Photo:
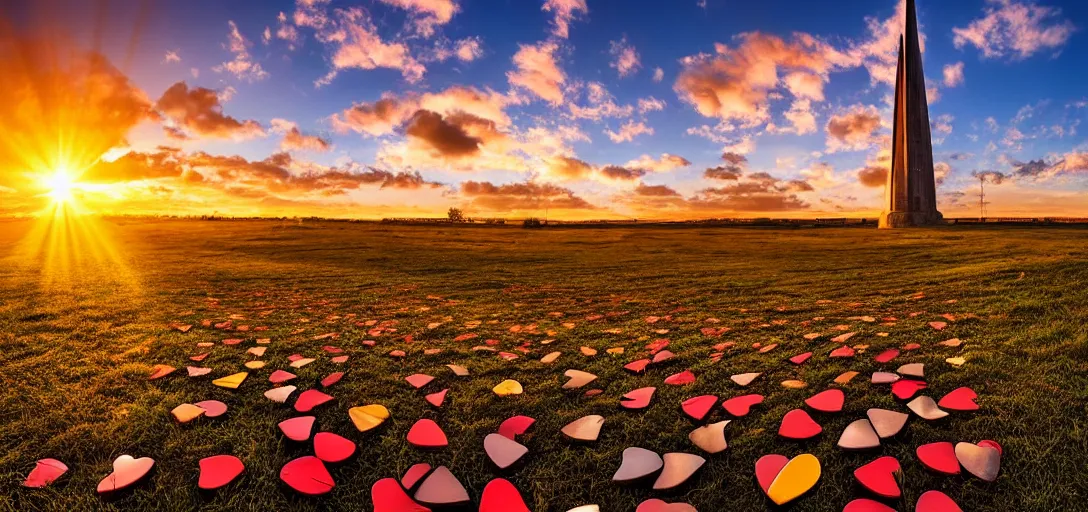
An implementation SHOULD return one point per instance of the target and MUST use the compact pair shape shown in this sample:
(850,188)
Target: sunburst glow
(61,184)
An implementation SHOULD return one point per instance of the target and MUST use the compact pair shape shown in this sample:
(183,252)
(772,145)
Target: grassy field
(81,328)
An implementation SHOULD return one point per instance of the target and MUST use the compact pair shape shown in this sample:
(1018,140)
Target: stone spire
(912,190)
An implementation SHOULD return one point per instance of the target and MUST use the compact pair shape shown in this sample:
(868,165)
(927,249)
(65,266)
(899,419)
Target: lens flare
(61,185)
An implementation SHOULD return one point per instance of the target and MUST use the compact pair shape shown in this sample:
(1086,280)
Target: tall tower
(912,190)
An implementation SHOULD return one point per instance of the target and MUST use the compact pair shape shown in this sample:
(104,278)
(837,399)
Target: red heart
(388,496)
(501,496)
(843,351)
(797,424)
(436,399)
(45,472)
(638,399)
(939,457)
(991,444)
(218,471)
(280,376)
(330,447)
(637,366)
(681,379)
(126,471)
(911,346)
(307,475)
(309,399)
(741,405)
(333,378)
(414,475)
(881,477)
(698,407)
(831,400)
(767,468)
(427,434)
(297,429)
(905,389)
(800,358)
(887,355)
(515,426)
(865,505)
(936,501)
(961,399)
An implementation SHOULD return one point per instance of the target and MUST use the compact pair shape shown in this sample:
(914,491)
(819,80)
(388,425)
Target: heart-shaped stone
(437,399)
(185,413)
(797,424)
(515,426)
(578,379)
(638,463)
(501,496)
(915,370)
(45,472)
(298,429)
(881,477)
(960,399)
(508,387)
(419,380)
(842,352)
(801,358)
(159,371)
(458,370)
(698,407)
(331,379)
(710,438)
(797,477)
(280,376)
(681,379)
(887,423)
(653,505)
(311,398)
(426,433)
(212,408)
(126,472)
(679,467)
(859,435)
(829,401)
(332,448)
(936,501)
(744,379)
(368,417)
(441,488)
(387,496)
(939,457)
(982,461)
(586,428)
(740,406)
(767,468)
(926,408)
(887,355)
(414,475)
(195,371)
(504,452)
(637,366)
(231,381)
(218,471)
(906,389)
(307,475)
(866,505)
(638,399)
(280,394)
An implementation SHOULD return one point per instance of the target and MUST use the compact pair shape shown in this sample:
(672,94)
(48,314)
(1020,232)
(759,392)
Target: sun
(61,184)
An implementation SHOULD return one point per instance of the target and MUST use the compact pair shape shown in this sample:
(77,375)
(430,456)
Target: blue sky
(714,80)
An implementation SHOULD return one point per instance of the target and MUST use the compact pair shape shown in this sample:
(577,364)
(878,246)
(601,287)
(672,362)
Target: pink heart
(831,400)
(638,399)
(881,477)
(427,434)
(936,501)
(681,379)
(212,408)
(437,399)
(297,429)
(280,376)
(126,471)
(333,378)
(740,406)
(801,358)
(501,496)
(309,399)
(698,407)
(218,471)
(332,448)
(515,426)
(656,505)
(307,475)
(797,424)
(388,496)
(961,399)
(414,475)
(45,472)
(939,457)
(767,468)
(419,380)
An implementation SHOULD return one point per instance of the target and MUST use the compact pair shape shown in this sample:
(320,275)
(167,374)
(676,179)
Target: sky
(570,109)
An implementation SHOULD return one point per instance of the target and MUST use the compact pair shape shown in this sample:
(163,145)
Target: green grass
(78,336)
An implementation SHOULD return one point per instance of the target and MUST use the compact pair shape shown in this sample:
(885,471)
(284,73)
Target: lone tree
(456,215)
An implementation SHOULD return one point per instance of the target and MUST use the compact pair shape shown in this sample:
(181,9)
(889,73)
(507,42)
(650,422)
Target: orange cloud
(522,196)
(537,72)
(198,111)
(565,11)
(855,129)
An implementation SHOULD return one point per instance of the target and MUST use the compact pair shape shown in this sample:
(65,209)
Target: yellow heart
(254,365)
(368,417)
(615,350)
(185,413)
(508,387)
(796,478)
(956,361)
(231,381)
